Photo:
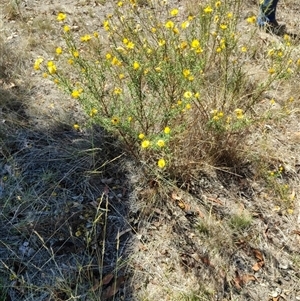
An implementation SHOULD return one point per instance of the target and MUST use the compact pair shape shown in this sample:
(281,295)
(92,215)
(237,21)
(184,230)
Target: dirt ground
(223,235)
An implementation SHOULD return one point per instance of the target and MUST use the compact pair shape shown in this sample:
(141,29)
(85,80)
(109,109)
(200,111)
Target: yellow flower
(58,50)
(161,163)
(169,24)
(93,112)
(208,10)
(141,136)
(160,143)
(174,12)
(229,15)
(96,34)
(76,126)
(117,91)
(85,38)
(186,72)
(251,19)
(218,4)
(161,42)
(45,75)
(176,30)
(136,65)
(115,62)
(75,93)
(223,26)
(120,3)
(145,144)
(75,53)
(188,106)
(115,120)
(121,75)
(185,24)
(187,94)
(153,30)
(37,63)
(167,130)
(66,28)
(272,70)
(130,45)
(239,113)
(244,49)
(195,44)
(184,44)
(106,25)
(108,56)
(70,61)
(51,67)
(61,17)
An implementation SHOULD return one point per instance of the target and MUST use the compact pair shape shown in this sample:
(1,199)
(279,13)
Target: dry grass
(82,220)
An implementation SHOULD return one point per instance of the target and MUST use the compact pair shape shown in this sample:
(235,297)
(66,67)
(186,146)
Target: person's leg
(268,10)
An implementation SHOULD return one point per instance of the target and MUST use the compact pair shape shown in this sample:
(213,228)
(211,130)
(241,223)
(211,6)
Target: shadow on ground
(63,200)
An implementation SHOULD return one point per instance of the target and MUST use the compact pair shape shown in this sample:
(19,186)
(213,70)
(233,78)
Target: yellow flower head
(37,63)
(145,144)
(136,65)
(218,4)
(106,25)
(208,10)
(167,130)
(161,163)
(115,120)
(75,53)
(76,126)
(117,91)
(75,94)
(186,72)
(141,136)
(161,42)
(61,17)
(116,62)
(239,113)
(251,19)
(195,44)
(187,94)
(185,24)
(174,12)
(223,26)
(51,67)
(66,28)
(160,143)
(58,50)
(169,24)
(130,45)
(85,38)
(93,112)
(244,49)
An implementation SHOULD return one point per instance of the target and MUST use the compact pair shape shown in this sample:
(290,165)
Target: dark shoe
(275,28)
